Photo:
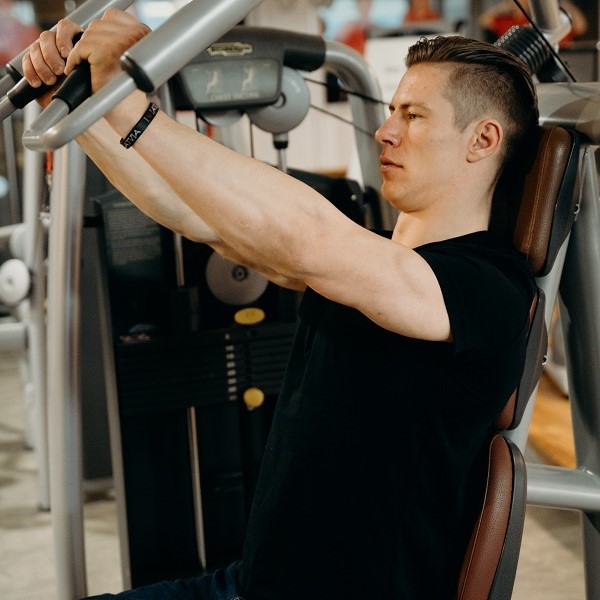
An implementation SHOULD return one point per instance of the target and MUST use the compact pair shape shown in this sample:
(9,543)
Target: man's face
(423,153)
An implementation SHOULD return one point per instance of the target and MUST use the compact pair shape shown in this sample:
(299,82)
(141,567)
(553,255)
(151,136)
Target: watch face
(223,84)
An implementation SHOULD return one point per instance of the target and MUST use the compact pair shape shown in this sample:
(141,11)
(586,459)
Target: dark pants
(220,585)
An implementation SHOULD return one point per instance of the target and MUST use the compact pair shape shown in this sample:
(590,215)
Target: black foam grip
(304,52)
(77,87)
(23,93)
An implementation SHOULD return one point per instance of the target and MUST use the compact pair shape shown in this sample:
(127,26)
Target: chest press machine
(569,270)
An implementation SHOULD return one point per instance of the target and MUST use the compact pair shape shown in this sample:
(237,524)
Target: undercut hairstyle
(484,81)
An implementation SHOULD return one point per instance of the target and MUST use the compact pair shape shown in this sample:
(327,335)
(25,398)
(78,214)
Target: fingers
(115,15)
(103,43)
(29,71)
(45,61)
(65,32)
(38,68)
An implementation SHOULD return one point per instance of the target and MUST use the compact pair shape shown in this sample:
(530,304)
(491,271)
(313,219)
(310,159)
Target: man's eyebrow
(406,105)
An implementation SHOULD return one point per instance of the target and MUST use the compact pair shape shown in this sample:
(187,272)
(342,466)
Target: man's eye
(412,116)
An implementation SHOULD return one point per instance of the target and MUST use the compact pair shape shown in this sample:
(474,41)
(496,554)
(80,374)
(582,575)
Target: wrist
(127,113)
(138,129)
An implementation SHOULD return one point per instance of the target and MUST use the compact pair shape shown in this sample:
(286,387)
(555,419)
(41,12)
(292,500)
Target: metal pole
(367,116)
(34,256)
(580,314)
(168,106)
(11,170)
(64,406)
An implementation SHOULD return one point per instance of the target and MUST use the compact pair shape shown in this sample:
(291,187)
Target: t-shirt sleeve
(487,307)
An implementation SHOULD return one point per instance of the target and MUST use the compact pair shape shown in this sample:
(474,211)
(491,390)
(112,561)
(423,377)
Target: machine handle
(76,88)
(153,60)
(23,93)
(82,15)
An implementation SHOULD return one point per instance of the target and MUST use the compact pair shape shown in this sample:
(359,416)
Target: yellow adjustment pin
(253,398)
(249,316)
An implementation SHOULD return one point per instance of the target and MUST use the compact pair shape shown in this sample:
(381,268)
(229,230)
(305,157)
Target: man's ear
(486,140)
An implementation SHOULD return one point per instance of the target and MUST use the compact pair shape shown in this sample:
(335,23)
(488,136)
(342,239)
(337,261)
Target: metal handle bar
(150,62)
(547,15)
(551,19)
(82,15)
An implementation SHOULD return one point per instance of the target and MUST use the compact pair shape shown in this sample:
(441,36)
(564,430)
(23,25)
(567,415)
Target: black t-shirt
(367,487)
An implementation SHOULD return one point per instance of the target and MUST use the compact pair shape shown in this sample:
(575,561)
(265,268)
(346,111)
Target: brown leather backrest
(490,563)
(547,208)
(487,540)
(544,218)
(535,354)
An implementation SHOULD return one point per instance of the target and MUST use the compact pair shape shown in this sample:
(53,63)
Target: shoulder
(487,287)
(478,252)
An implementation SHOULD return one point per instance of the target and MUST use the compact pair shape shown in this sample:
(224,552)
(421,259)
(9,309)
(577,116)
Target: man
(408,344)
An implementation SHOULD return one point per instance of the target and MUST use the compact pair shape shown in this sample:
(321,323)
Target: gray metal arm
(55,127)
(158,56)
(367,115)
(551,20)
(150,62)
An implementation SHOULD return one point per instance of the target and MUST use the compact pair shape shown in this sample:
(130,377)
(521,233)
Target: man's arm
(280,226)
(138,181)
(141,184)
(127,171)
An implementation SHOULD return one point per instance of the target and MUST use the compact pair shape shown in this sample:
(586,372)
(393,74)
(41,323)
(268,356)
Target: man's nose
(388,133)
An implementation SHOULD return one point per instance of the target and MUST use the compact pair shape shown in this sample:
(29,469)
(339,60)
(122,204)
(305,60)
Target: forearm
(263,214)
(139,182)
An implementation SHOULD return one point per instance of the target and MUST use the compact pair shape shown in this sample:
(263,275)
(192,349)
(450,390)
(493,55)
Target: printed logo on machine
(230,49)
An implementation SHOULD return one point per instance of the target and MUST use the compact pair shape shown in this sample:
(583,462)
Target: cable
(338,117)
(342,119)
(347,91)
(251,137)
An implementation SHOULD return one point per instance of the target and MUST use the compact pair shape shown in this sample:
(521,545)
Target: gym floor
(550,567)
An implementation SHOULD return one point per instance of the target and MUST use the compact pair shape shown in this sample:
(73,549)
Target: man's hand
(102,44)
(46,60)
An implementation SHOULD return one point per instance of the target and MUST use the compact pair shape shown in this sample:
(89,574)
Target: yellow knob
(253,398)
(249,316)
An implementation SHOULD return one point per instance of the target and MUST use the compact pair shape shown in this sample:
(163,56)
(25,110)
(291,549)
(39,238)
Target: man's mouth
(386,162)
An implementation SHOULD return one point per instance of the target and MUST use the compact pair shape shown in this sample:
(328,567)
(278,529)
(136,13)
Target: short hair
(485,80)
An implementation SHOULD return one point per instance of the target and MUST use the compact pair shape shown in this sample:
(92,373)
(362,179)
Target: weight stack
(210,383)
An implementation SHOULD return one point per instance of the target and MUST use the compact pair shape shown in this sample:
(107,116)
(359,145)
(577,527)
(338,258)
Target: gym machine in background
(22,276)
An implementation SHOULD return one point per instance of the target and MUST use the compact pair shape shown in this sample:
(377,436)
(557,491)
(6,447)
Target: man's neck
(415,229)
